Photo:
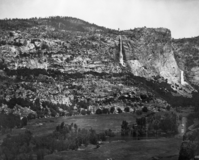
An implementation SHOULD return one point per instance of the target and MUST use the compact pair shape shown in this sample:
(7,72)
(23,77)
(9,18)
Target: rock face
(61,64)
(55,71)
(149,53)
(186,54)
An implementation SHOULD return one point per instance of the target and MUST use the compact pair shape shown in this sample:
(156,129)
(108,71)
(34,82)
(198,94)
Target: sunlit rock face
(149,53)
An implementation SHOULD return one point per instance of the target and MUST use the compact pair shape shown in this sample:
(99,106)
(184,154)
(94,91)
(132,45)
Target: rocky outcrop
(187,56)
(148,53)
(63,62)
(55,76)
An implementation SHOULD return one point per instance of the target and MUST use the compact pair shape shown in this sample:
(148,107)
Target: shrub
(15,146)
(109,133)
(119,110)
(31,116)
(112,110)
(168,123)
(93,138)
(168,108)
(24,121)
(138,112)
(141,121)
(124,128)
(144,109)
(62,125)
(127,109)
(88,112)
(83,112)
(9,121)
(83,104)
(165,123)
(105,111)
(102,136)
(98,111)
(53,113)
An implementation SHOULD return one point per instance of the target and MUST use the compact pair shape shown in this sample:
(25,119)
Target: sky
(180,16)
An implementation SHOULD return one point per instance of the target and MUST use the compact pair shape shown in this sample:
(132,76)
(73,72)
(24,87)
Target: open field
(123,149)
(97,122)
(163,149)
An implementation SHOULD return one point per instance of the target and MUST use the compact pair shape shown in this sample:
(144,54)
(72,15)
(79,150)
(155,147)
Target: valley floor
(96,122)
(163,149)
(122,149)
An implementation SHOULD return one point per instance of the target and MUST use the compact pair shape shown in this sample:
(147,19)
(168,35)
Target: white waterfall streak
(121,59)
(182,78)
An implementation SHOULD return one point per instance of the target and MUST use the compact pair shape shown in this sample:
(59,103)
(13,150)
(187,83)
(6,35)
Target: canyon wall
(70,62)
(149,53)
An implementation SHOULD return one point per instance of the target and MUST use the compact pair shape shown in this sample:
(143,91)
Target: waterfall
(121,59)
(182,78)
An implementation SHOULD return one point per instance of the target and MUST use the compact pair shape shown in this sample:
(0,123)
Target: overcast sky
(180,16)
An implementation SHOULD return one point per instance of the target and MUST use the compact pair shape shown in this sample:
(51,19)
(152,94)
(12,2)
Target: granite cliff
(61,65)
(149,53)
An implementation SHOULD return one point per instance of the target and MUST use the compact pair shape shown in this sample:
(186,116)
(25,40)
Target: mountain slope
(62,65)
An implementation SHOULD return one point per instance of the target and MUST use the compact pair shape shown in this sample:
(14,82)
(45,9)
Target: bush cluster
(135,130)
(65,137)
(9,121)
(111,110)
(151,125)
(163,123)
